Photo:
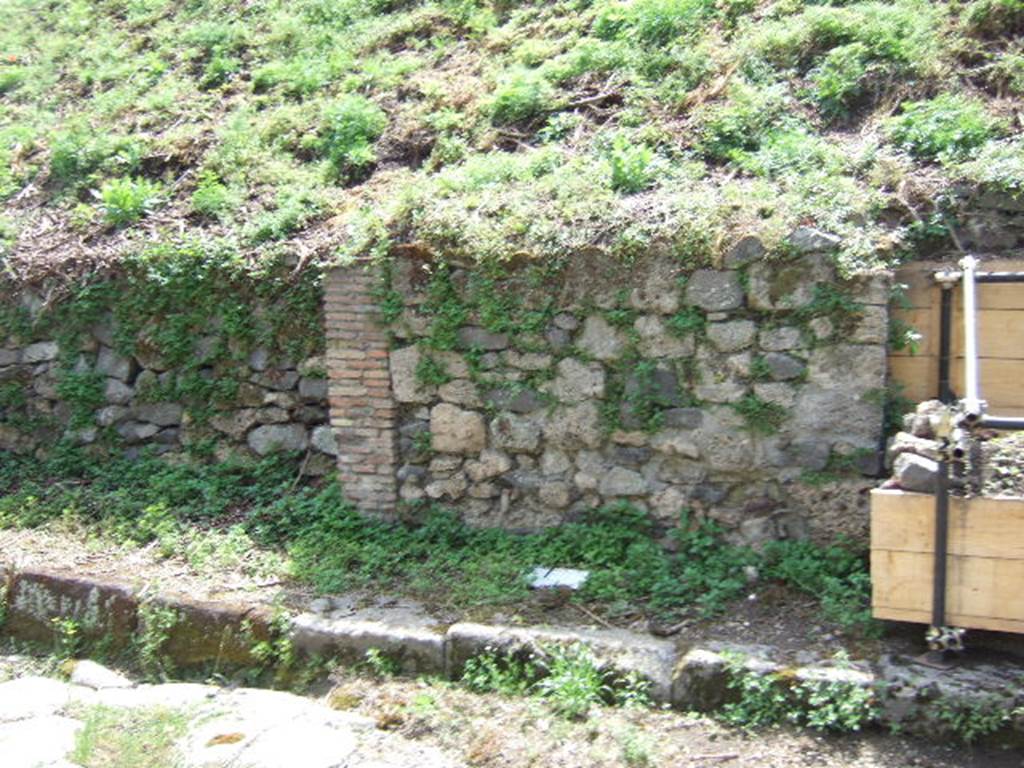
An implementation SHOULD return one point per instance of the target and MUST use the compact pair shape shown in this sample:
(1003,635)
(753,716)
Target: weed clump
(520,95)
(949,126)
(653,22)
(350,127)
(766,699)
(569,678)
(125,201)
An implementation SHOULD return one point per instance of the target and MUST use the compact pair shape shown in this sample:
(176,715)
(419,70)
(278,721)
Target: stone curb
(910,698)
(113,612)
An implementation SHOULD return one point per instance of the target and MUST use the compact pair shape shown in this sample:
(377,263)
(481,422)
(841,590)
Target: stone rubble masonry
(547,425)
(279,404)
(363,408)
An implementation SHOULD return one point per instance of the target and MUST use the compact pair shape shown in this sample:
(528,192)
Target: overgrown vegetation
(183,508)
(120,737)
(567,677)
(609,124)
(190,306)
(764,699)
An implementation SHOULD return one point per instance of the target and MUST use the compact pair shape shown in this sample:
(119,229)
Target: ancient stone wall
(526,396)
(92,387)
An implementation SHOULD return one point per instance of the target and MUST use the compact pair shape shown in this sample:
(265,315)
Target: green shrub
(793,151)
(902,33)
(998,165)
(77,155)
(949,126)
(765,699)
(11,79)
(836,575)
(211,198)
(633,166)
(837,81)
(587,56)
(218,71)
(973,719)
(521,94)
(297,77)
(333,547)
(995,18)
(742,121)
(573,680)
(350,128)
(293,210)
(126,200)
(1007,73)
(568,677)
(491,672)
(653,22)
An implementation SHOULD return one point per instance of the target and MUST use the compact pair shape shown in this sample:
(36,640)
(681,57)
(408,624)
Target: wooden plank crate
(985,577)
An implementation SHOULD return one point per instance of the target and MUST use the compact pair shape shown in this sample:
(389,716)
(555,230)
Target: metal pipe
(999,277)
(941,544)
(972,403)
(1001,422)
(945,342)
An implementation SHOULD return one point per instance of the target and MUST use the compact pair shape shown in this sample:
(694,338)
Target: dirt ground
(497,732)
(492,731)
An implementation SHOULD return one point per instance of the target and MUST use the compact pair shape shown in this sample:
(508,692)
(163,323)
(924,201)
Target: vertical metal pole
(941,544)
(945,342)
(972,400)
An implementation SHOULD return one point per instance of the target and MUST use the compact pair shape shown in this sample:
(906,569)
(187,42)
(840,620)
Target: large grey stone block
(418,650)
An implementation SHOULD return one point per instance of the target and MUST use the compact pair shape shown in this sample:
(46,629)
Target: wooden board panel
(1000,332)
(978,588)
(1001,382)
(983,527)
(986,561)
(917,375)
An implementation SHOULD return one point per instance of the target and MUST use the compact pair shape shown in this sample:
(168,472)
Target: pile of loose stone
(913,453)
(913,456)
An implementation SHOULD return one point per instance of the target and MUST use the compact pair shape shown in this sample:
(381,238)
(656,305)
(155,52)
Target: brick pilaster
(363,412)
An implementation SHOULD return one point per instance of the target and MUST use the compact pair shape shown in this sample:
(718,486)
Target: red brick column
(363,412)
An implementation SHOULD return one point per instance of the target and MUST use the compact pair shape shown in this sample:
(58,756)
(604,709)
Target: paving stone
(619,481)
(161,414)
(114,365)
(480,338)
(39,742)
(812,240)
(324,440)
(576,381)
(29,697)
(915,473)
(732,336)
